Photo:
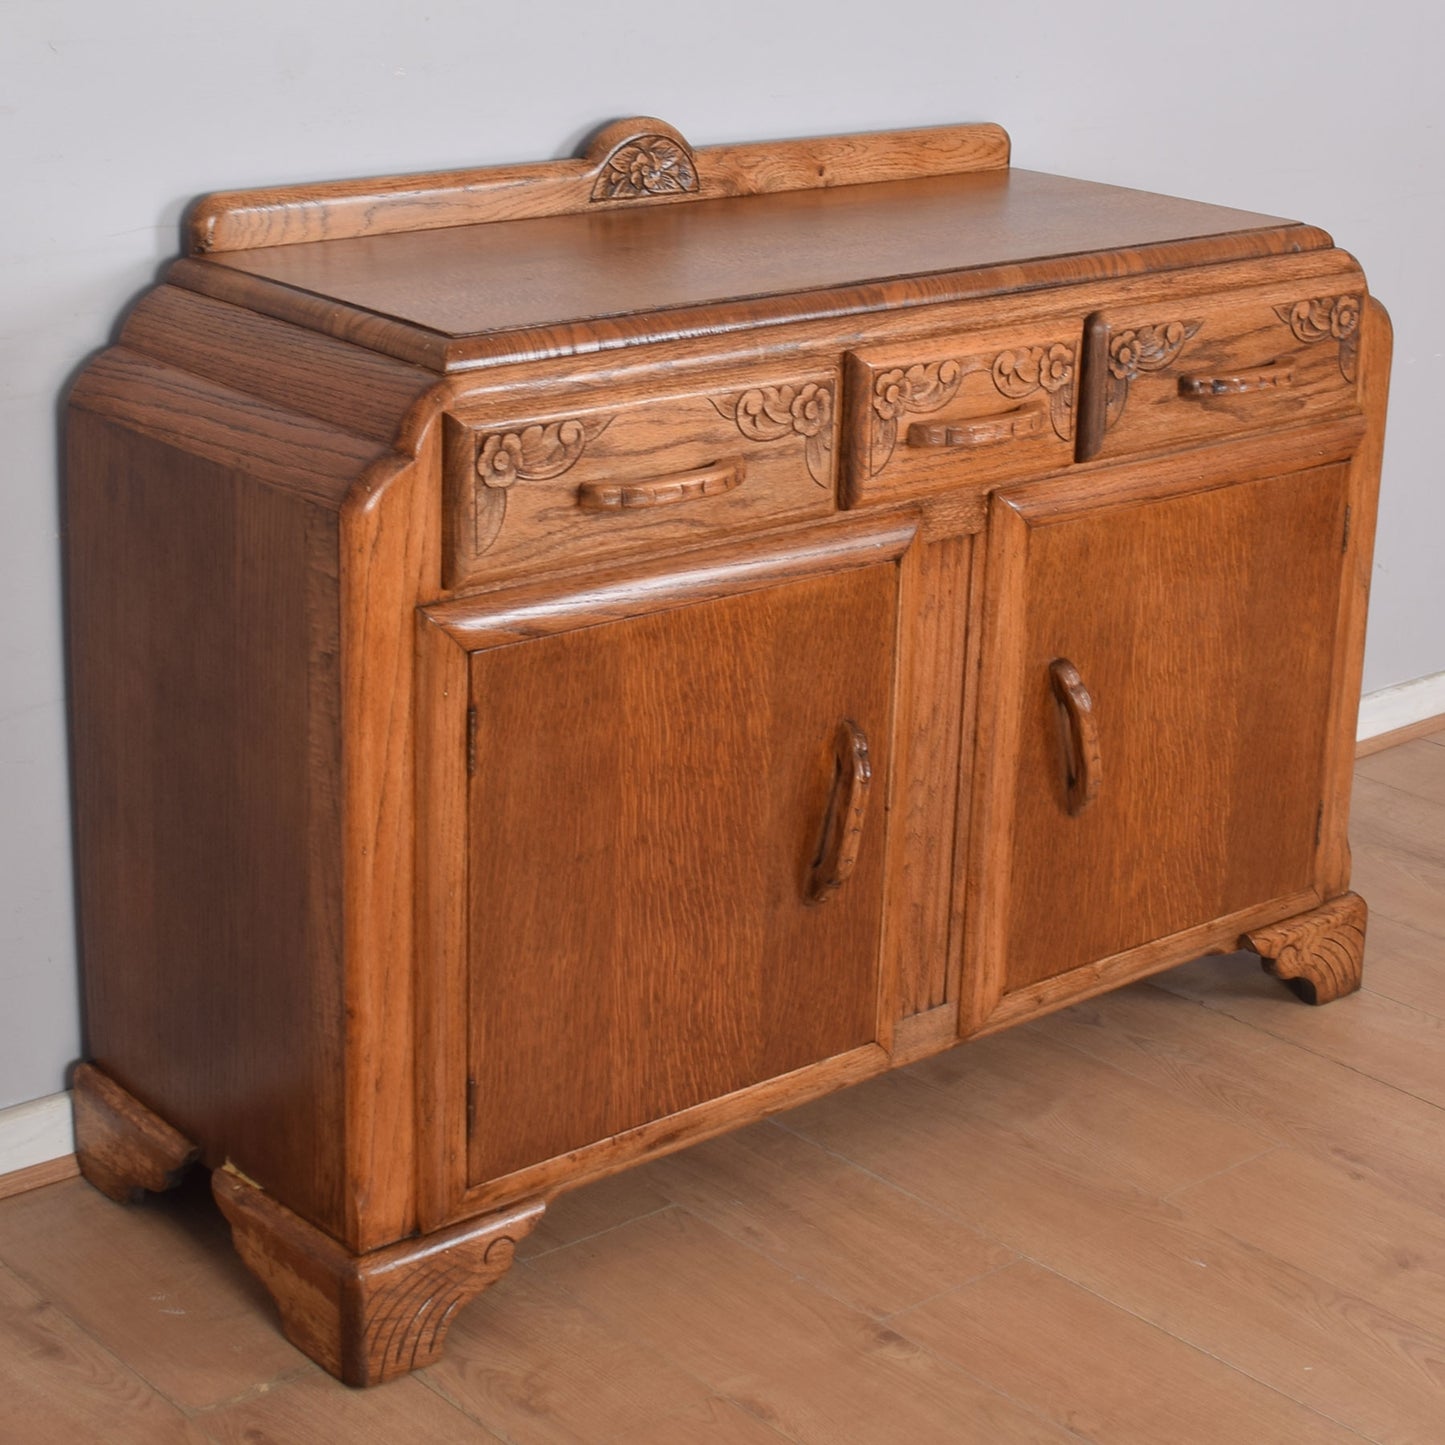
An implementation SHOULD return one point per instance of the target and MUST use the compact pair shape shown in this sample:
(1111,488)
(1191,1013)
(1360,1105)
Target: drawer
(1158,375)
(960,412)
(594,482)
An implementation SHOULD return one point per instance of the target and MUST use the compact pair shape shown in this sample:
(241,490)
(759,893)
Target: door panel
(1202,626)
(648,798)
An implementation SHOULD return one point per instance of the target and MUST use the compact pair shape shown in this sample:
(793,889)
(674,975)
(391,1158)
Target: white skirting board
(1398,707)
(36,1132)
(42,1130)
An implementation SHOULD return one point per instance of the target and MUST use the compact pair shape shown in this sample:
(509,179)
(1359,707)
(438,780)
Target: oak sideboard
(571,658)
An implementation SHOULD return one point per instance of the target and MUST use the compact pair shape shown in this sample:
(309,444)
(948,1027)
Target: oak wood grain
(367,1318)
(361,392)
(1372,362)
(948,415)
(925,789)
(206,772)
(881,310)
(1318,954)
(645,158)
(465,630)
(1196,832)
(968,236)
(121,1147)
(1352,1198)
(566,269)
(687,917)
(527,495)
(389,550)
(676,1131)
(1173,372)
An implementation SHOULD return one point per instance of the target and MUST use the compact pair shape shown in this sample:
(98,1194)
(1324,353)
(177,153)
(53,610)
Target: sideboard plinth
(124,1149)
(367,1318)
(1319,954)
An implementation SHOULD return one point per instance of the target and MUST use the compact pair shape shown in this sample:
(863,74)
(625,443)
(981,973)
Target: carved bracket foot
(1320,954)
(370,1317)
(123,1149)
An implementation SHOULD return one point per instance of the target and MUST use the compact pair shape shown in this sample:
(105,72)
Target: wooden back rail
(640,159)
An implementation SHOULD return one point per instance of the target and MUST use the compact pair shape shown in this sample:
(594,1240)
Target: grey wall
(112,115)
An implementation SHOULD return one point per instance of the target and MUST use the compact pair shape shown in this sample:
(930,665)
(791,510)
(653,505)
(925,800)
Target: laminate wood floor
(1191,1211)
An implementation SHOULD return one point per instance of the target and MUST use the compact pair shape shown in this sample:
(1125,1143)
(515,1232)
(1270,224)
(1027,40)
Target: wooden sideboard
(571,658)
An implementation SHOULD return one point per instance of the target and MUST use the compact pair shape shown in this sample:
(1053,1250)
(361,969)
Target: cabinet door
(1185,782)
(673,850)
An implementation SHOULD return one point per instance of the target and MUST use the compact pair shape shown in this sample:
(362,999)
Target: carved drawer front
(599,481)
(1191,370)
(928,416)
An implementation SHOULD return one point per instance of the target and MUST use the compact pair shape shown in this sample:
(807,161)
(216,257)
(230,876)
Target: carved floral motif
(1327,318)
(1147,348)
(1023,371)
(769,413)
(1136,350)
(533,453)
(926,387)
(923,387)
(650,165)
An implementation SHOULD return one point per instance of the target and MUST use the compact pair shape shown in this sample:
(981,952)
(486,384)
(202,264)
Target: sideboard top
(567,256)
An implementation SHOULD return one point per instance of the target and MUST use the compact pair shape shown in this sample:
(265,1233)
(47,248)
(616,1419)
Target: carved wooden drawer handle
(1023,421)
(1274,377)
(1082,764)
(710,481)
(847,808)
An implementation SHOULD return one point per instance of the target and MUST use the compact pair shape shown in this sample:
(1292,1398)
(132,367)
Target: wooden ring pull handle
(847,808)
(986,431)
(666,491)
(1274,377)
(1082,763)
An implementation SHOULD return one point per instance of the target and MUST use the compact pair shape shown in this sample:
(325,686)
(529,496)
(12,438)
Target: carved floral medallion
(1327,318)
(1137,350)
(650,165)
(769,413)
(534,453)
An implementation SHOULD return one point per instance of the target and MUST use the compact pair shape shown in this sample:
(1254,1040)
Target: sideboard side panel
(1375,356)
(206,757)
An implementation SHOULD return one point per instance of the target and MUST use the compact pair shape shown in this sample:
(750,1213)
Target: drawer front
(1158,375)
(960,413)
(597,482)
